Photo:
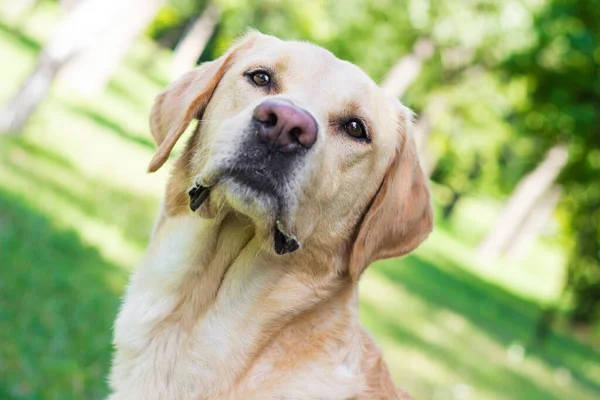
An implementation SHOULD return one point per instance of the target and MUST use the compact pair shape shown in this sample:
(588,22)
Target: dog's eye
(260,77)
(356,128)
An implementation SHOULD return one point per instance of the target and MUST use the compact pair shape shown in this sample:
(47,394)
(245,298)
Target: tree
(105,28)
(533,224)
(522,203)
(561,67)
(20,10)
(90,71)
(468,137)
(423,129)
(68,4)
(400,77)
(408,68)
(78,29)
(190,47)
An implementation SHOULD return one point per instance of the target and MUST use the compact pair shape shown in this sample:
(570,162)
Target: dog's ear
(400,216)
(186,99)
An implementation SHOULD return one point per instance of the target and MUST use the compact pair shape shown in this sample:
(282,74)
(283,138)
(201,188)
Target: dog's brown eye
(357,130)
(260,78)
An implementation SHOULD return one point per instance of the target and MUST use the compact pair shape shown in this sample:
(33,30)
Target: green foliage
(473,135)
(561,70)
(347,28)
(171,21)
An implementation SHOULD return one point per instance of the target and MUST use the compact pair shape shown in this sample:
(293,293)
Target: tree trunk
(534,224)
(77,30)
(408,68)
(449,208)
(89,73)
(68,5)
(19,11)
(15,114)
(423,128)
(400,77)
(521,204)
(427,156)
(192,44)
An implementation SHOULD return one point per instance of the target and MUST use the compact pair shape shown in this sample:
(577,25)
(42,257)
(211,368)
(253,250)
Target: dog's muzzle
(283,242)
(279,136)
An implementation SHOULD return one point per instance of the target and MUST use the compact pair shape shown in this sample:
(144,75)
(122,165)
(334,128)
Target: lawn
(76,208)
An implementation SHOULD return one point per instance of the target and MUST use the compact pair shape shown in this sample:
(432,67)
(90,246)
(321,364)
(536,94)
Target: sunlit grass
(445,342)
(538,275)
(114,220)
(76,208)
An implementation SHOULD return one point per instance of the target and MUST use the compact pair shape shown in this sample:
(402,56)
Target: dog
(300,172)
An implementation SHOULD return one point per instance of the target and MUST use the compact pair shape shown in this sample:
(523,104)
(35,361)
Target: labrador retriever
(300,172)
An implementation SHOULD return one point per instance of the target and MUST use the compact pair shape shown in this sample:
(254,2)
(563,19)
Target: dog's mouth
(283,240)
(198,195)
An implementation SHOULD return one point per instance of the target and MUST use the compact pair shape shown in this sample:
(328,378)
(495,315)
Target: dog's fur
(213,312)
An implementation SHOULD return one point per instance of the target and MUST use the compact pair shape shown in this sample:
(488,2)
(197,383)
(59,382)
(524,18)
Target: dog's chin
(255,199)
(261,206)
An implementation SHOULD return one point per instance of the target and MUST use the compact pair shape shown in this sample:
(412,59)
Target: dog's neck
(219,296)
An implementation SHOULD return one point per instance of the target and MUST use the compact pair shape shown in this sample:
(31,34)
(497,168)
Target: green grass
(76,208)
(59,296)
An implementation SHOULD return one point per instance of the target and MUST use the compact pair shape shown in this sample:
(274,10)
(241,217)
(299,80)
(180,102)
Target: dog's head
(302,143)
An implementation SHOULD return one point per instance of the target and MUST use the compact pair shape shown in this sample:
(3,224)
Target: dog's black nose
(285,127)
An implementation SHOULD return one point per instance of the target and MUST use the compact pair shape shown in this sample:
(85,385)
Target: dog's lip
(198,195)
(284,242)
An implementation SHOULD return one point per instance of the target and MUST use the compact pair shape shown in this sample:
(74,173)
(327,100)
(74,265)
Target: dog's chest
(174,365)
(305,360)
(216,335)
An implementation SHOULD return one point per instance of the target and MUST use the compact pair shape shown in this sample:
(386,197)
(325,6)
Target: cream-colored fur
(212,312)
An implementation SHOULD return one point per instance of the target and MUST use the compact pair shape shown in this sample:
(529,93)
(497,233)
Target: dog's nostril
(271,120)
(295,132)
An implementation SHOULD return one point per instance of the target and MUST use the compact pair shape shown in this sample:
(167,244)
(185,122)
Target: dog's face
(302,143)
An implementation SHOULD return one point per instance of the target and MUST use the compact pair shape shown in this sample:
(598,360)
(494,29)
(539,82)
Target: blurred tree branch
(105,28)
(89,72)
(194,40)
(408,68)
(534,223)
(522,202)
(78,29)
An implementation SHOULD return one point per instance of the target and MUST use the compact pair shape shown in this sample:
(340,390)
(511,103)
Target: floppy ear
(399,217)
(186,99)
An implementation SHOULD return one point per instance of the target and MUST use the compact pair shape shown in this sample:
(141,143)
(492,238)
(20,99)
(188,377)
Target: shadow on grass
(111,126)
(119,89)
(497,380)
(23,39)
(503,316)
(59,300)
(131,213)
(147,66)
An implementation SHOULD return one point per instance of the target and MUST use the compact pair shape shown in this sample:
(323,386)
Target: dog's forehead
(310,66)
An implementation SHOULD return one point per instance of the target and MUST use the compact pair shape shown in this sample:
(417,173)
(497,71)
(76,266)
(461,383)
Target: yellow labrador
(300,173)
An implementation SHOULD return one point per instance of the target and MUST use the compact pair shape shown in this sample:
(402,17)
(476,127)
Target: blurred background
(503,300)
